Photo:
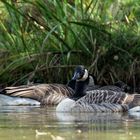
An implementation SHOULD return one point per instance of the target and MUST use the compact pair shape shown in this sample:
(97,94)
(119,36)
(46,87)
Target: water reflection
(32,122)
(88,116)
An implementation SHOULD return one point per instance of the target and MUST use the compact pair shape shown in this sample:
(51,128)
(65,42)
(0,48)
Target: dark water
(31,123)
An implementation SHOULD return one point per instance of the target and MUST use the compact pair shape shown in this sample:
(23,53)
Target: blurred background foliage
(43,40)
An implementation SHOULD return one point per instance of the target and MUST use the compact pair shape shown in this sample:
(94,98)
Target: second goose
(103,99)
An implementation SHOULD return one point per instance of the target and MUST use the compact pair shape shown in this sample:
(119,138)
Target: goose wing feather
(102,101)
(99,96)
(44,93)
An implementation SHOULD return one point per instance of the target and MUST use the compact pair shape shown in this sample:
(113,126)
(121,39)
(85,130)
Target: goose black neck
(71,84)
(80,88)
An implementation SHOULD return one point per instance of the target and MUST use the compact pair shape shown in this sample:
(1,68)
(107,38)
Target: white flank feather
(65,106)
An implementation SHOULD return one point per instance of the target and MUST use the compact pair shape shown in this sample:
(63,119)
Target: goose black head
(80,74)
(80,82)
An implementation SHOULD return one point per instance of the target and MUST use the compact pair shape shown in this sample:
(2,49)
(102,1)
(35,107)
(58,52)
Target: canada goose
(52,94)
(99,100)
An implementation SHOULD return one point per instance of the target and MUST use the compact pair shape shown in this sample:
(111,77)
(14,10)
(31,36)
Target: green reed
(44,40)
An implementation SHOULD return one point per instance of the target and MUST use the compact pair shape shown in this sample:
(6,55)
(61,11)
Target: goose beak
(76,76)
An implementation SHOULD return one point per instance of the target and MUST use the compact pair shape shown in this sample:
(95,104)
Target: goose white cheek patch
(85,76)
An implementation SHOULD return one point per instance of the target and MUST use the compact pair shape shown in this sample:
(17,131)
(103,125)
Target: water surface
(32,122)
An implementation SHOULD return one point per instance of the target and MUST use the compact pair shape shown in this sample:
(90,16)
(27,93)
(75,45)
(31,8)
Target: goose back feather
(46,94)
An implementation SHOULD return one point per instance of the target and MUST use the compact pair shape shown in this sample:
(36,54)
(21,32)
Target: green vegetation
(43,40)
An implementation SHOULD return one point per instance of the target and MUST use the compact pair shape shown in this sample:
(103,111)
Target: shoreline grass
(44,40)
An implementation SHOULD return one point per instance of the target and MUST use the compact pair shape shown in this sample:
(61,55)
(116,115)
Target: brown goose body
(46,94)
(100,101)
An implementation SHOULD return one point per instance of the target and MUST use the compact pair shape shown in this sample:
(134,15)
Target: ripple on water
(21,122)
